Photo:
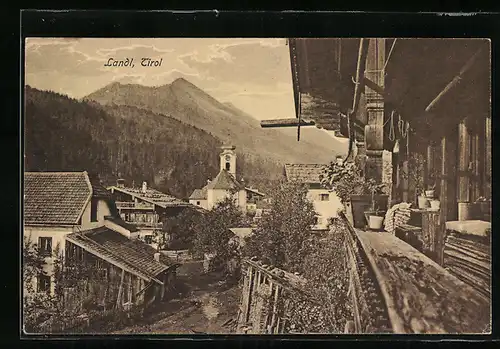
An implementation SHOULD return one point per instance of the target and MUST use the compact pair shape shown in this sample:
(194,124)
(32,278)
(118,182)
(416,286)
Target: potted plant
(430,192)
(375,215)
(415,173)
(346,179)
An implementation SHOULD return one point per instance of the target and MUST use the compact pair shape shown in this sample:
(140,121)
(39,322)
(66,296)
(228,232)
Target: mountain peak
(181,81)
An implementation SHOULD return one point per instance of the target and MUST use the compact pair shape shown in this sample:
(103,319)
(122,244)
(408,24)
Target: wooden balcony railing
(158,225)
(134,205)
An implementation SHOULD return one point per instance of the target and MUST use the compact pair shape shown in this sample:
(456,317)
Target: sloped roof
(120,222)
(58,197)
(304,173)
(242,233)
(224,181)
(255,191)
(134,256)
(199,194)
(153,196)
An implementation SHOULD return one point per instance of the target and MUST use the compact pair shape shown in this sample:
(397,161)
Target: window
(324,197)
(198,203)
(43,283)
(93,210)
(45,246)
(228,166)
(148,239)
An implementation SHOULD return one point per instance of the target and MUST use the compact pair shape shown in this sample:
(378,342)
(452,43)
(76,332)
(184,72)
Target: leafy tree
(325,268)
(280,235)
(180,228)
(37,306)
(212,234)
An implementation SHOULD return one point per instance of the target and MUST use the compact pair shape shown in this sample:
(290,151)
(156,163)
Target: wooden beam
(456,80)
(374,87)
(120,290)
(464,143)
(286,123)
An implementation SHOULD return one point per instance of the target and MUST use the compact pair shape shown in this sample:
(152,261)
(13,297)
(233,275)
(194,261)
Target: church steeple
(228,159)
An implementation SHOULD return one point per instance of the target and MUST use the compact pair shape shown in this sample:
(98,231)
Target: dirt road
(208,305)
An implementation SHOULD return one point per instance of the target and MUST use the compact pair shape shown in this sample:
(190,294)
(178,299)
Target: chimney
(208,181)
(144,187)
(120,183)
(157,256)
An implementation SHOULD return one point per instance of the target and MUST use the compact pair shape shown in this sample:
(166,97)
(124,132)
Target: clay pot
(423,202)
(362,203)
(465,211)
(375,222)
(435,204)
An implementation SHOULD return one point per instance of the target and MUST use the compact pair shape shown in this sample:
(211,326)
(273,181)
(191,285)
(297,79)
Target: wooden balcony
(130,205)
(151,225)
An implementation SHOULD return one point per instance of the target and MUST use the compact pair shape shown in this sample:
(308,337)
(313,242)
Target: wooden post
(476,174)
(120,290)
(374,130)
(405,185)
(432,232)
(487,165)
(464,162)
(275,306)
(246,313)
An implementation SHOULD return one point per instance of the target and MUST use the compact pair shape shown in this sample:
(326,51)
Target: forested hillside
(63,134)
(191,105)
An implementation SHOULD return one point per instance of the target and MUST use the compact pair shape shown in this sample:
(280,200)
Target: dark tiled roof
(58,197)
(153,196)
(119,221)
(55,197)
(224,181)
(134,255)
(98,190)
(304,173)
(199,194)
(254,191)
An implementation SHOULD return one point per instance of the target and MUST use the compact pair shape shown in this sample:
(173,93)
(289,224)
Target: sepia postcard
(256,186)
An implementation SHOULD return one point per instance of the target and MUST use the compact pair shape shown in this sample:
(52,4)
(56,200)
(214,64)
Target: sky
(253,74)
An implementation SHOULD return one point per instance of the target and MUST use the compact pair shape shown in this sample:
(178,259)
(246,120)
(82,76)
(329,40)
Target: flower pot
(435,204)
(464,211)
(375,222)
(361,203)
(429,194)
(423,202)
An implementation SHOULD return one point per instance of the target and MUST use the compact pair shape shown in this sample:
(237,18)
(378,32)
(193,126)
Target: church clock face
(228,158)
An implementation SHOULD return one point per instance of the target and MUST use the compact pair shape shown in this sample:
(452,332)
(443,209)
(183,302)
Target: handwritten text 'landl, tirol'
(129,62)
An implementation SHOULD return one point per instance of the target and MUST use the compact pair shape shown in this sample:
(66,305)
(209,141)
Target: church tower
(228,159)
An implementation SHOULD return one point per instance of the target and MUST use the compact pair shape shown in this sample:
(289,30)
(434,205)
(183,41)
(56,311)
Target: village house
(147,208)
(73,212)
(224,185)
(326,203)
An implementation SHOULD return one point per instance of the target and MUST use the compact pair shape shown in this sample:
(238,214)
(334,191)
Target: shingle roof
(304,173)
(224,181)
(153,196)
(199,194)
(255,191)
(57,197)
(119,221)
(134,256)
